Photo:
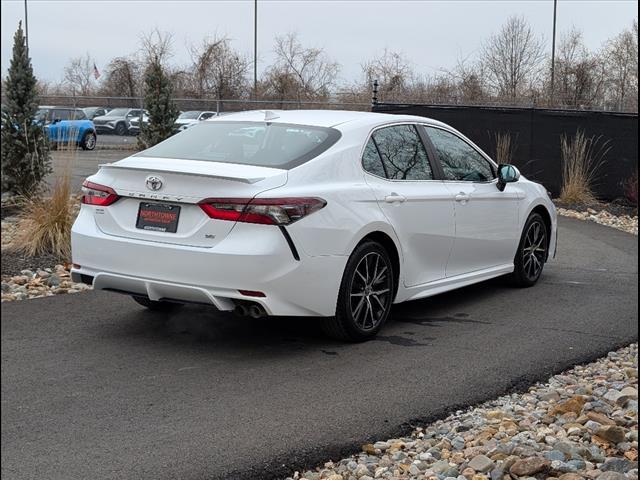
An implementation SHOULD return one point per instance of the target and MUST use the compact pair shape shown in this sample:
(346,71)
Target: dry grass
(505,148)
(44,223)
(582,157)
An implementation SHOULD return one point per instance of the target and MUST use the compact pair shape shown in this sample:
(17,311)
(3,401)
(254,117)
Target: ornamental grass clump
(582,158)
(44,225)
(505,148)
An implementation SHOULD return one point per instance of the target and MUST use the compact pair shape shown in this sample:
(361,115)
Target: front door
(487,220)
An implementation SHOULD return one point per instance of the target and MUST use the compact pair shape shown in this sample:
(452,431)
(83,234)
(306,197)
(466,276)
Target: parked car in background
(93,112)
(310,213)
(67,125)
(117,120)
(186,119)
(134,123)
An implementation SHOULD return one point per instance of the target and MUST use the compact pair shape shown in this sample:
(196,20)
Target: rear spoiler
(182,172)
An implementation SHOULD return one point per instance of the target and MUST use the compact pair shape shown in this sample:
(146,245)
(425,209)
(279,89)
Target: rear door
(418,206)
(487,220)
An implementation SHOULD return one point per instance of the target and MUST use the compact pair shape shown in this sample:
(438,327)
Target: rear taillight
(269,211)
(99,195)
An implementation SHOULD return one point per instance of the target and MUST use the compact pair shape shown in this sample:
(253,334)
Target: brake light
(268,211)
(99,195)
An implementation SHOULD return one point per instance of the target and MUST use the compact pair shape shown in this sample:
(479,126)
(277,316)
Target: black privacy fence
(535,136)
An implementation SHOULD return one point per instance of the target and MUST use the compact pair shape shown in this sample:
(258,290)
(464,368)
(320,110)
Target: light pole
(553,50)
(255,49)
(26,26)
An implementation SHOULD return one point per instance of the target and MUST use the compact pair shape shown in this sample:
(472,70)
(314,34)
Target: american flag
(96,72)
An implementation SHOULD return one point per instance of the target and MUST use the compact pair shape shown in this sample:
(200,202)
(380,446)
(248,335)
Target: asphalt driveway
(94,386)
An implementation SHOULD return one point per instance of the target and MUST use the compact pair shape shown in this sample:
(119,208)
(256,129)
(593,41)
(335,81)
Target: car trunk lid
(178,183)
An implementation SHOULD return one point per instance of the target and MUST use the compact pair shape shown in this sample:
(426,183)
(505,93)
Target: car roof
(322,118)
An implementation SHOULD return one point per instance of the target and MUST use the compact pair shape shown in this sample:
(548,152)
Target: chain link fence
(215,105)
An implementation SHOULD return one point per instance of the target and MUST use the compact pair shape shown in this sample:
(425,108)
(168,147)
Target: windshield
(41,115)
(189,115)
(249,143)
(117,112)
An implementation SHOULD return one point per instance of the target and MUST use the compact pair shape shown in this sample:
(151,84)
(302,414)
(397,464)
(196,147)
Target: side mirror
(507,174)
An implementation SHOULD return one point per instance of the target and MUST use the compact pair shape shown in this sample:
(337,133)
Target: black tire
(89,140)
(121,129)
(360,320)
(156,306)
(532,252)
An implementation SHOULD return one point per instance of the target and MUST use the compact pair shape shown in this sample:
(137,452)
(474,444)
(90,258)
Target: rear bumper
(251,257)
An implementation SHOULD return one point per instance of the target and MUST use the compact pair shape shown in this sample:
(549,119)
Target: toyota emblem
(154,183)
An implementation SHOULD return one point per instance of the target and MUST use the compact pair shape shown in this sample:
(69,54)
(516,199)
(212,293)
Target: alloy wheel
(370,294)
(90,141)
(534,250)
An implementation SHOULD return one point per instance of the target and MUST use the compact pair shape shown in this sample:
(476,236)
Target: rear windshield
(189,115)
(275,145)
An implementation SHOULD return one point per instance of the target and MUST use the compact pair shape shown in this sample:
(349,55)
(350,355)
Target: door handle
(462,197)
(395,198)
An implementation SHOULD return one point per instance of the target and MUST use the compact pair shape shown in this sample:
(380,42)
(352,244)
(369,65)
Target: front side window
(459,160)
(403,153)
(275,145)
(78,115)
(60,114)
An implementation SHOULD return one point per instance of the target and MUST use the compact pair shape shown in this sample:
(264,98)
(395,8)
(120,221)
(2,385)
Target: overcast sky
(431,34)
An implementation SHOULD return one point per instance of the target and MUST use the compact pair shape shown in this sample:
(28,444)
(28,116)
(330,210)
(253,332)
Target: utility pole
(553,51)
(26,26)
(255,49)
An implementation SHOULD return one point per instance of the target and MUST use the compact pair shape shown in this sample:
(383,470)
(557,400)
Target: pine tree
(158,101)
(25,146)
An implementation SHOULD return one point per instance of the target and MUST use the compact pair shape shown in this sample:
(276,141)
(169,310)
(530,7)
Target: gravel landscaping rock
(626,223)
(42,283)
(575,427)
(25,277)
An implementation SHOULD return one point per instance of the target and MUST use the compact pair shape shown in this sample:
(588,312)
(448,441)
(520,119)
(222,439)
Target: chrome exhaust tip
(241,310)
(256,311)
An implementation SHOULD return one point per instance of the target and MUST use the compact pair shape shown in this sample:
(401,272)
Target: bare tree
(78,75)
(299,72)
(579,76)
(218,70)
(470,81)
(513,58)
(393,72)
(156,47)
(621,57)
(122,77)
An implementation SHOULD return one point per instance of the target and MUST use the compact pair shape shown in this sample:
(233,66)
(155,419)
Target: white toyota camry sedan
(332,214)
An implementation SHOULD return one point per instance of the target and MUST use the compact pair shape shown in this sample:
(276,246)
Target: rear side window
(460,161)
(371,160)
(401,152)
(275,145)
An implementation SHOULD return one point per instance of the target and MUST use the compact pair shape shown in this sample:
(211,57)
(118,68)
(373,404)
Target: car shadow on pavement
(194,326)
